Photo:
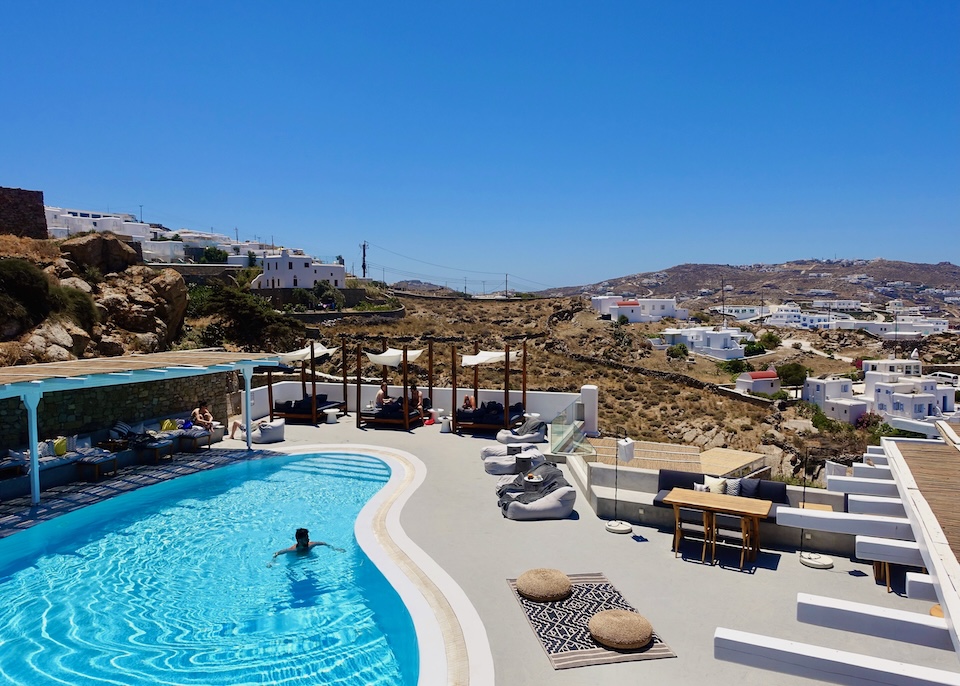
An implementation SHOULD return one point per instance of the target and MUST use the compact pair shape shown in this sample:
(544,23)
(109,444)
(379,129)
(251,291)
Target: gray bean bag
(267,432)
(558,504)
(531,431)
(497,459)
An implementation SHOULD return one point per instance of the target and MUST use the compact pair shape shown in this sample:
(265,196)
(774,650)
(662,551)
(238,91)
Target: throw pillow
(120,430)
(749,487)
(715,484)
(169,425)
(18,455)
(45,449)
(60,446)
(733,486)
(138,429)
(72,443)
(701,488)
(84,442)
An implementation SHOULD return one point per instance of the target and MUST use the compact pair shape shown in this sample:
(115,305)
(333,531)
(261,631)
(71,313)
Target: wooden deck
(684,458)
(936,470)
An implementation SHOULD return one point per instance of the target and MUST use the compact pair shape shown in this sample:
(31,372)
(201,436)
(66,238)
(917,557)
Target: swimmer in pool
(304,544)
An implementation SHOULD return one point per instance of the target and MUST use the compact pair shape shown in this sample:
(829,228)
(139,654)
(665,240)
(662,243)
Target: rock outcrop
(103,251)
(140,309)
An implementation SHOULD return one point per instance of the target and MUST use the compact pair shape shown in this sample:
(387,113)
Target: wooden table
(750,510)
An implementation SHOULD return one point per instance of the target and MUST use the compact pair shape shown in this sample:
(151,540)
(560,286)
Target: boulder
(104,251)
(53,341)
(110,346)
(172,289)
(79,284)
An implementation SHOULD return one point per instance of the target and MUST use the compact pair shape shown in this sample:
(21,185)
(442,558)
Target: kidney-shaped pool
(176,584)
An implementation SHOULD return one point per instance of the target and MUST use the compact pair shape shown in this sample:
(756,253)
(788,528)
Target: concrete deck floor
(453,517)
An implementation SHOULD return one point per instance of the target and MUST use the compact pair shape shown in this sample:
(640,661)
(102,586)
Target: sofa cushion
(774,491)
(715,484)
(672,478)
(749,487)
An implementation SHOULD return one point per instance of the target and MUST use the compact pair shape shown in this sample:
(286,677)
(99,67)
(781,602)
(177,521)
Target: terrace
(464,550)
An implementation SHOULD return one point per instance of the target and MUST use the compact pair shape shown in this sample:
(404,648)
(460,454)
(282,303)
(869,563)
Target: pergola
(31,382)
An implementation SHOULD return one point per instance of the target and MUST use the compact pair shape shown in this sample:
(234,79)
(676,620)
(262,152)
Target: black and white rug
(562,629)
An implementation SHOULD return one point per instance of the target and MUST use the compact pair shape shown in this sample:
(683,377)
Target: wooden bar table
(750,510)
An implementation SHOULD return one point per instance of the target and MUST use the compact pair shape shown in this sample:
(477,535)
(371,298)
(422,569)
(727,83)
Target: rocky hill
(699,285)
(139,309)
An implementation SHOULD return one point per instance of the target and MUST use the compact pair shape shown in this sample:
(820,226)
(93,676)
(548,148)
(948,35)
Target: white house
(741,312)
(839,305)
(638,310)
(759,382)
(297,270)
(718,342)
(648,309)
(834,395)
(65,222)
(893,388)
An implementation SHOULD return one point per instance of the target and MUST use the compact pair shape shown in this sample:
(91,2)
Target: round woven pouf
(543,585)
(620,629)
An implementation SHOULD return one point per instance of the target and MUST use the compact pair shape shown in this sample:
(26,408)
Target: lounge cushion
(497,459)
(620,629)
(530,432)
(544,585)
(557,504)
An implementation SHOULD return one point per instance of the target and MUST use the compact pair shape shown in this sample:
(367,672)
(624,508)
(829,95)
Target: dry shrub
(40,252)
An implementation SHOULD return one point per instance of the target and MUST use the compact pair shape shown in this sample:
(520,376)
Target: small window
(84,214)
(294,282)
(290,265)
(336,284)
(306,264)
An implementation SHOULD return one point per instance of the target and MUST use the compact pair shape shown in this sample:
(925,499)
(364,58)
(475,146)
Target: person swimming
(304,544)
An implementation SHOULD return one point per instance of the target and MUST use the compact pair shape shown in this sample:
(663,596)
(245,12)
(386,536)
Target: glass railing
(566,435)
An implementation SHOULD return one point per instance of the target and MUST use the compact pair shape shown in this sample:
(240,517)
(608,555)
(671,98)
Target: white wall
(548,405)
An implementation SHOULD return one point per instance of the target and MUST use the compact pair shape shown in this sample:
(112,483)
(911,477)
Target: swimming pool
(175,584)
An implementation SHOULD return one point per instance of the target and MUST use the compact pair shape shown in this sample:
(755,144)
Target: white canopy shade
(488,356)
(392,357)
(304,354)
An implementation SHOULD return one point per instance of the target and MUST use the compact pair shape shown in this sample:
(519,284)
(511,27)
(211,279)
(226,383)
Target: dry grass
(39,252)
(647,408)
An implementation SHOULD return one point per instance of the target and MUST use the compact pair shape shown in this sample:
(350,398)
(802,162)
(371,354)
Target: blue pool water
(175,584)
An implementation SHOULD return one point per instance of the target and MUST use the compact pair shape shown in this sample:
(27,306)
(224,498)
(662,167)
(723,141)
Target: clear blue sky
(562,143)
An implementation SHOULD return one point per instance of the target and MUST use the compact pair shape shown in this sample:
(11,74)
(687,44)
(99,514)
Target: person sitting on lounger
(202,417)
(469,403)
(304,544)
(416,398)
(383,398)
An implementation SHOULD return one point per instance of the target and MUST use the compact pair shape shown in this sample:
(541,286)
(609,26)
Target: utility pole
(363,265)
(464,285)
(506,285)
(236,231)
(141,214)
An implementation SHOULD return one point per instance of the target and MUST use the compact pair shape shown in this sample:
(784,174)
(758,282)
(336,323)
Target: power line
(439,266)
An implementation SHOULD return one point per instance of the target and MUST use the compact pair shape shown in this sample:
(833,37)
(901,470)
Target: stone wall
(91,409)
(21,213)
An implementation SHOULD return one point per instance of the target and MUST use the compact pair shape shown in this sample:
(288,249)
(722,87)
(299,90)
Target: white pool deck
(453,518)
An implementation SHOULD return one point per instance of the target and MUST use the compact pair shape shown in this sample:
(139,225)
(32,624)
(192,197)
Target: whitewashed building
(741,312)
(895,389)
(65,222)
(839,305)
(759,382)
(638,310)
(721,343)
(290,269)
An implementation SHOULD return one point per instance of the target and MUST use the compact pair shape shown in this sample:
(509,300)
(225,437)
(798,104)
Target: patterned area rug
(562,629)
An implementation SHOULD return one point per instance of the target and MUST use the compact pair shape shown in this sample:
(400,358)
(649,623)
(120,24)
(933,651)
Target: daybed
(309,409)
(553,498)
(490,416)
(392,415)
(503,459)
(531,431)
